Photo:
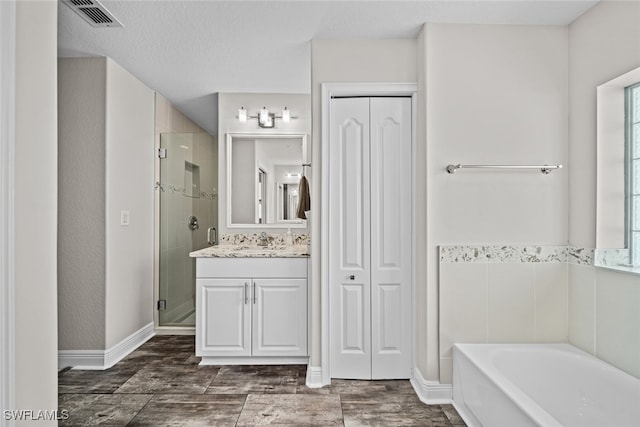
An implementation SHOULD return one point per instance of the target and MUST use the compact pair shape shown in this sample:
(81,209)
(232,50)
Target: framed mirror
(263,176)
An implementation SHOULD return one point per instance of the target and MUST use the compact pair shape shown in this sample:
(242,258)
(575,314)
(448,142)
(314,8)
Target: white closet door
(370,238)
(349,231)
(391,206)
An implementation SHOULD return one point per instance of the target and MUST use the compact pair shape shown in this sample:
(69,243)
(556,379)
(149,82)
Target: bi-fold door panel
(350,239)
(391,207)
(370,237)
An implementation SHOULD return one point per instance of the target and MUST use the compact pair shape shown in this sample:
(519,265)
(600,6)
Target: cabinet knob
(352,277)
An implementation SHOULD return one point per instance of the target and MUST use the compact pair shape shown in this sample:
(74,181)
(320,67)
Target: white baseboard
(81,359)
(431,392)
(104,359)
(253,360)
(175,330)
(314,377)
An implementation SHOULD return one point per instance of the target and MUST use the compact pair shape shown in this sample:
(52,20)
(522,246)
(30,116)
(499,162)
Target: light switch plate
(124,218)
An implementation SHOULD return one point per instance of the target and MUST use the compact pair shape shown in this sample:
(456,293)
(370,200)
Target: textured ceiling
(190,50)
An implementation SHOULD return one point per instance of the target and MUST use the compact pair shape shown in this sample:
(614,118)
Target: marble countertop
(252,251)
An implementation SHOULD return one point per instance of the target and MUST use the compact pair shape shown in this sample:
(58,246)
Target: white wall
(81,195)
(36,200)
(228,105)
(604,305)
(106,166)
(347,61)
(129,186)
(603,43)
(496,94)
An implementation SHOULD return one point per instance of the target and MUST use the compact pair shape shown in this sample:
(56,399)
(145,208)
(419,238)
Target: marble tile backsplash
(580,256)
(254,238)
(516,254)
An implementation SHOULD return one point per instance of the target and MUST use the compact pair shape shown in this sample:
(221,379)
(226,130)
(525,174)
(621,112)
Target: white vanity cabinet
(251,310)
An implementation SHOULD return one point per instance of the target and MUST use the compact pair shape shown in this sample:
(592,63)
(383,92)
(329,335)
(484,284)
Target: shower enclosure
(188,219)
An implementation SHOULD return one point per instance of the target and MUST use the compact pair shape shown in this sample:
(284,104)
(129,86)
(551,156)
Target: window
(632,135)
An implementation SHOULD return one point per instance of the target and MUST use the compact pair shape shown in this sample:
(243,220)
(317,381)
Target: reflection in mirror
(287,202)
(263,176)
(617,172)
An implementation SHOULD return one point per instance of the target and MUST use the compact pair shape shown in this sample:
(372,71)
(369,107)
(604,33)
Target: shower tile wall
(501,294)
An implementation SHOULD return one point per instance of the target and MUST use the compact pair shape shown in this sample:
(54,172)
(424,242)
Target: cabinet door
(279,317)
(223,317)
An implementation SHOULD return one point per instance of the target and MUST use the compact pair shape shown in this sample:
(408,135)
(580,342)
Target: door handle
(212,236)
(352,277)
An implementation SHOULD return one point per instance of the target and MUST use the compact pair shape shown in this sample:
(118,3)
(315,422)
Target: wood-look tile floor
(161,384)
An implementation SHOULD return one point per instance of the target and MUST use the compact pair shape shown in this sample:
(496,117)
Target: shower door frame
(161,330)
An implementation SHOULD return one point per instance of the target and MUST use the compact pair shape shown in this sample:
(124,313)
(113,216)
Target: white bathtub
(551,385)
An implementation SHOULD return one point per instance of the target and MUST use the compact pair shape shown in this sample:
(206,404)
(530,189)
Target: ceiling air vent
(94,13)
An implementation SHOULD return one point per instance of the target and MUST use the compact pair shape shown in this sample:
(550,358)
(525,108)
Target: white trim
(329,90)
(253,360)
(119,351)
(7,165)
(105,359)
(314,377)
(414,227)
(431,392)
(81,359)
(175,330)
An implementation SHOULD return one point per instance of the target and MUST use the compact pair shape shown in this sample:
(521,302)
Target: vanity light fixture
(266,119)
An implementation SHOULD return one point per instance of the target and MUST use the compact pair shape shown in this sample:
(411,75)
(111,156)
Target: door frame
(330,90)
(7,188)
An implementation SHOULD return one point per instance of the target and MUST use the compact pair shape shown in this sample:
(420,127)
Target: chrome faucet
(263,239)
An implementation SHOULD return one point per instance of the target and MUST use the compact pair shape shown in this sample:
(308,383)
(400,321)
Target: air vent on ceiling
(94,13)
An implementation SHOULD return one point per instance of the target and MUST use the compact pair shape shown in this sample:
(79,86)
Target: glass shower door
(188,209)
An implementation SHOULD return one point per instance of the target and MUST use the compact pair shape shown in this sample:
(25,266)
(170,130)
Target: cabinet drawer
(251,267)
